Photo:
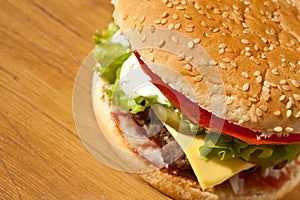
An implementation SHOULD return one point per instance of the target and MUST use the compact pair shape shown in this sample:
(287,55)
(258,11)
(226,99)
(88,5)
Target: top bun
(251,47)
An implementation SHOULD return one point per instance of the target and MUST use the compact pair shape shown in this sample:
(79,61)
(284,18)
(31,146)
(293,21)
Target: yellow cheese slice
(209,173)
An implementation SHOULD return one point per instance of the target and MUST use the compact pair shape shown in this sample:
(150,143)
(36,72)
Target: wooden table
(42,45)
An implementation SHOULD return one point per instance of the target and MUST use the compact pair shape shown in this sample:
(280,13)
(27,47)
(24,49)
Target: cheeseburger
(202,98)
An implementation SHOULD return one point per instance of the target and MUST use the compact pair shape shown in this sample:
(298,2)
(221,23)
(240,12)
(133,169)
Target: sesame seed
(170,5)
(289,105)
(235,7)
(264,39)
(266,49)
(266,96)
(264,107)
(296,97)
(190,44)
(246,103)
(226,59)
(175,2)
(201,12)
(222,65)
(157,21)
(187,17)
(265,89)
(174,39)
(245,118)
(198,78)
(161,43)
(248,54)
(233,63)
(282,98)
(151,57)
(245,25)
(164,15)
(267,84)
(226,25)
(270,31)
(144,38)
(190,26)
(142,19)
(257,73)
(188,67)
(229,100)
(241,121)
(222,46)
(256,47)
(275,71)
(259,79)
(197,40)
(221,51)
(245,41)
(246,86)
(204,24)
(215,30)
(289,113)
(245,74)
(180,8)
(292,65)
(289,129)
(282,81)
(206,34)
(298,115)
(177,26)
(164,21)
(252,99)
(189,30)
(258,112)
(181,57)
(125,17)
(278,129)
(295,83)
(197,6)
(189,58)
(277,113)
(212,62)
(286,87)
(175,16)
(171,26)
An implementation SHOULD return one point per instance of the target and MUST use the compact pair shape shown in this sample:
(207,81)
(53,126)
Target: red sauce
(207,120)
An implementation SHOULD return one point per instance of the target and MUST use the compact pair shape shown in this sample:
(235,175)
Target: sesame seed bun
(254,46)
(175,186)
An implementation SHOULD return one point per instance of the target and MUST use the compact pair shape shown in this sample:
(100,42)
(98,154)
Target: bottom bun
(174,186)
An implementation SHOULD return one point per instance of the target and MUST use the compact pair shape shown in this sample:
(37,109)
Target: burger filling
(240,163)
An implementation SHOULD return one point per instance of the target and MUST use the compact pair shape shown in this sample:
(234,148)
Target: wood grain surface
(42,45)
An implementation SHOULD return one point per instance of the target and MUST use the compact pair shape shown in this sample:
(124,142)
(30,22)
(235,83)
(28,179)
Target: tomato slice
(207,120)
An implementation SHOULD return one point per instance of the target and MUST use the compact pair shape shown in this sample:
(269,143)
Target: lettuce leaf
(226,147)
(109,55)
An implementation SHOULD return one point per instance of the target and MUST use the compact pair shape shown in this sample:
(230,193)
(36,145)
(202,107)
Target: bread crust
(171,185)
(254,45)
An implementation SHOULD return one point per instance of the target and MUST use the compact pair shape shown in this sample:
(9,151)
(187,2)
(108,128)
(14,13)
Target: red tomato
(206,120)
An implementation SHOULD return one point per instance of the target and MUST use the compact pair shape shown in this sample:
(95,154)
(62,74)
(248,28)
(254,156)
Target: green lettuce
(109,55)
(226,147)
